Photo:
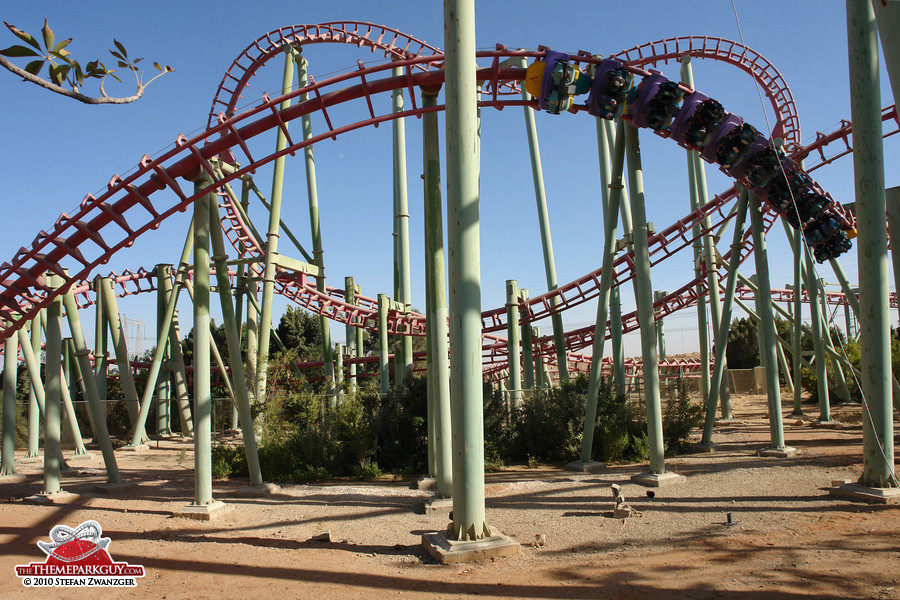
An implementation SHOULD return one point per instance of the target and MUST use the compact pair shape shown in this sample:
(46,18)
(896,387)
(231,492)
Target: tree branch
(9,66)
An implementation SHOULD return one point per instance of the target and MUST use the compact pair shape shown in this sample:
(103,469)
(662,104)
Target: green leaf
(158,66)
(63,57)
(116,55)
(18,51)
(34,67)
(123,64)
(25,37)
(121,48)
(49,37)
(136,61)
(59,47)
(113,75)
(79,74)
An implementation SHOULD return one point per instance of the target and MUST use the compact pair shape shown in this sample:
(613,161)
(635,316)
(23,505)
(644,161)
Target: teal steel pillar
(34,419)
(612,197)
(339,370)
(126,377)
(469,522)
(868,167)
(202,393)
(383,353)
(659,296)
(436,300)
(249,290)
(316,230)
(272,235)
(53,392)
(527,348)
(91,393)
(702,322)
(767,325)
(540,197)
(816,324)
(512,345)
(101,341)
(8,434)
(796,330)
(403,294)
(179,376)
(643,291)
(731,284)
(233,340)
(164,383)
(353,351)
(68,407)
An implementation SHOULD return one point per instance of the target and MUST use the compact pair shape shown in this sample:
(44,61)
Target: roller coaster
(620,86)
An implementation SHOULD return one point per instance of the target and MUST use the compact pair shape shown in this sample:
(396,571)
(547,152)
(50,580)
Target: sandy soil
(790,539)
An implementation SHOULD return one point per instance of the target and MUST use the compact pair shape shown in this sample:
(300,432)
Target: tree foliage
(65,75)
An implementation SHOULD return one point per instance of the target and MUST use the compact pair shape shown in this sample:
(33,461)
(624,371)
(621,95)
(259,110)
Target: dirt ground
(790,540)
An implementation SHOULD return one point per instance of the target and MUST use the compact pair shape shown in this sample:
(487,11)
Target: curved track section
(101,226)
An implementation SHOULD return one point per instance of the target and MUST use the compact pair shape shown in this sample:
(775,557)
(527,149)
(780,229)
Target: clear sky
(57,150)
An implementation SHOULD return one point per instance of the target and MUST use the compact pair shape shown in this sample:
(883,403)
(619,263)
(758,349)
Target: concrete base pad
(585,467)
(114,488)
(658,479)
(257,491)
(426,484)
(447,551)
(139,449)
(439,506)
(785,452)
(731,421)
(55,498)
(205,512)
(705,447)
(828,424)
(78,457)
(854,491)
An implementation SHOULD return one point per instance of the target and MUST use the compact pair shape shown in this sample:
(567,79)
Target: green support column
(8,434)
(512,345)
(436,301)
(527,348)
(233,340)
(92,394)
(353,351)
(658,296)
(202,393)
(540,197)
(868,166)
(101,344)
(402,293)
(34,419)
(612,196)
(725,323)
(815,309)
(607,135)
(339,370)
(315,229)
(53,389)
(265,332)
(797,331)
(122,358)
(469,522)
(702,323)
(643,291)
(164,383)
(383,360)
(767,327)
(179,377)
(69,408)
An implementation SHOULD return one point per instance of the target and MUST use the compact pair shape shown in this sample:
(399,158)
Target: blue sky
(57,150)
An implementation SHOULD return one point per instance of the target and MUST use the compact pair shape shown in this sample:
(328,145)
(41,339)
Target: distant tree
(300,331)
(65,75)
(742,350)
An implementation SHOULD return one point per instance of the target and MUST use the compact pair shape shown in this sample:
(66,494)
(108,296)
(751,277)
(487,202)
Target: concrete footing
(257,491)
(731,421)
(785,452)
(426,484)
(447,551)
(439,506)
(828,424)
(205,512)
(710,448)
(585,467)
(657,479)
(111,489)
(62,497)
(854,491)
(78,457)
(139,449)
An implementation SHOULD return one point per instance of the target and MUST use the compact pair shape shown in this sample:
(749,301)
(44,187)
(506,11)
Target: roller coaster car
(657,102)
(696,121)
(559,82)
(728,143)
(610,89)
